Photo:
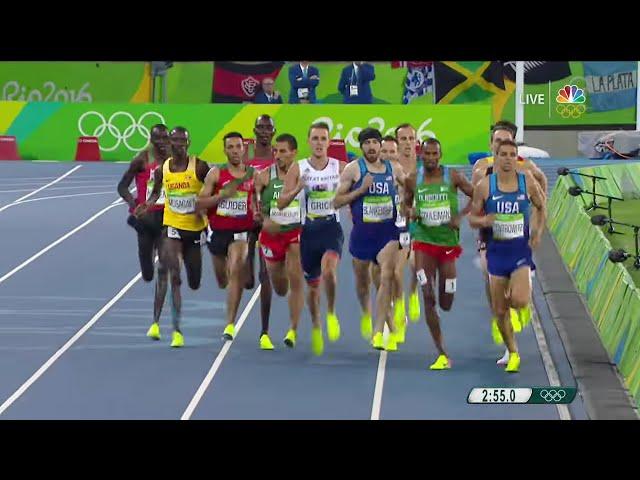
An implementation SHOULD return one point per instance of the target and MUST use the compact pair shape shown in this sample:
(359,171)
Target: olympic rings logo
(118,131)
(571,110)
(552,395)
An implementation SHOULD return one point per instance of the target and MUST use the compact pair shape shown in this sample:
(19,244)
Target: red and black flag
(237,82)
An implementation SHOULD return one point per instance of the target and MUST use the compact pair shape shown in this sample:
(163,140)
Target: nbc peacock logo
(570,102)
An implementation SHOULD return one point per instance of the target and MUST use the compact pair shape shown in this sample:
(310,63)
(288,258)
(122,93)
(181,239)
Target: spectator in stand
(267,94)
(304,79)
(355,82)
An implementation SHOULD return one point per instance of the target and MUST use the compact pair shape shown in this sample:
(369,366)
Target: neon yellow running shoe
(378,341)
(317,342)
(229,332)
(414,306)
(290,338)
(525,316)
(333,327)
(441,363)
(392,343)
(265,342)
(177,339)
(515,320)
(366,326)
(495,332)
(514,363)
(154,331)
(399,320)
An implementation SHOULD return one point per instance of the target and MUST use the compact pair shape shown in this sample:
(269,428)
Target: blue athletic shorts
(502,263)
(365,246)
(317,238)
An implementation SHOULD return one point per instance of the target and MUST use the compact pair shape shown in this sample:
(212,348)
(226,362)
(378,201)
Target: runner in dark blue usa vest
(506,197)
(369,186)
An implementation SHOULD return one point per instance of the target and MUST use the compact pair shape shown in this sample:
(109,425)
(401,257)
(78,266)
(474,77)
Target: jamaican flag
(470,82)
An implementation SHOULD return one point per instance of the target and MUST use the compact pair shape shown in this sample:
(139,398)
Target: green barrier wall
(49,131)
(610,293)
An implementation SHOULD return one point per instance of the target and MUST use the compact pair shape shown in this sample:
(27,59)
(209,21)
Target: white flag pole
(519,103)
(638,99)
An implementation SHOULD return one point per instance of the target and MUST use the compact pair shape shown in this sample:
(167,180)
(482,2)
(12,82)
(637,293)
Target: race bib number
(405,239)
(435,214)
(241,237)
(320,204)
(236,206)
(377,209)
(287,216)
(508,226)
(450,285)
(182,204)
(173,233)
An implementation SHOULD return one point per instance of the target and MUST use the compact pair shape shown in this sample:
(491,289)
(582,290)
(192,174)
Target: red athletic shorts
(273,246)
(442,254)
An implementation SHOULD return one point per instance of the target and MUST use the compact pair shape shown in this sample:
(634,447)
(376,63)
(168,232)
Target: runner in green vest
(280,236)
(436,235)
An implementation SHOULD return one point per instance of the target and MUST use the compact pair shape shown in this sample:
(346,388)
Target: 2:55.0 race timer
(499,395)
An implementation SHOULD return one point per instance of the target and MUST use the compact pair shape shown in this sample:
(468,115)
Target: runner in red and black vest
(148,225)
(264,131)
(228,196)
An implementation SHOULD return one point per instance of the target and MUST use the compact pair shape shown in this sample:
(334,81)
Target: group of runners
(405,211)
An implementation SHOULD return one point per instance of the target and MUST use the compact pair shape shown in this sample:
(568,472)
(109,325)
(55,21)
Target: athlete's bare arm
(538,201)
(293,185)
(478,174)
(409,193)
(481,165)
(136,166)
(539,176)
(153,197)
(206,199)
(461,183)
(480,194)
(202,168)
(348,177)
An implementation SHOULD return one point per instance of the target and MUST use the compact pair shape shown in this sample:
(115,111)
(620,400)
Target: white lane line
(57,242)
(377,392)
(218,361)
(63,196)
(23,388)
(43,187)
(547,360)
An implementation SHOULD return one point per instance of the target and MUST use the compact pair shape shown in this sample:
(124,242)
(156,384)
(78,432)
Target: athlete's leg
(447,287)
(172,248)
(236,261)
(414,302)
(427,268)
(146,243)
(265,294)
(499,288)
(363,284)
(192,256)
(161,280)
(385,258)
(296,284)
(374,271)
(252,238)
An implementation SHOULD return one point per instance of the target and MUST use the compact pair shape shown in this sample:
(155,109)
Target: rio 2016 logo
(12,90)
(570,102)
(351,138)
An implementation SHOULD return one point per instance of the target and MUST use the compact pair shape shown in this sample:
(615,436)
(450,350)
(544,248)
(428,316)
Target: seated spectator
(267,95)
(354,83)
(304,78)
